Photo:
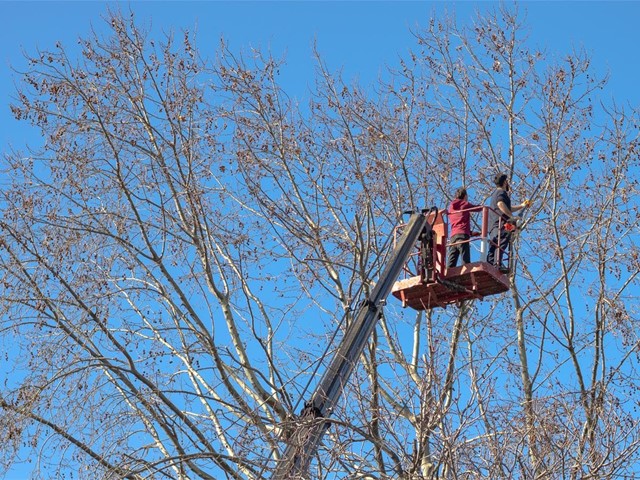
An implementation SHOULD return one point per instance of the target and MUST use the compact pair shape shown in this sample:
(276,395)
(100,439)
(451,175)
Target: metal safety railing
(483,241)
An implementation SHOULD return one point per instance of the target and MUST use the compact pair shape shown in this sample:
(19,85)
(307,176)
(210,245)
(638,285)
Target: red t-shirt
(460,222)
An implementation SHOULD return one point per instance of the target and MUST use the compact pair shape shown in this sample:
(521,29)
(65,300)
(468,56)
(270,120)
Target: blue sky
(359,37)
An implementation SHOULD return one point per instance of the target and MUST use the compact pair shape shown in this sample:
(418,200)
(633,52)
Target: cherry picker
(419,254)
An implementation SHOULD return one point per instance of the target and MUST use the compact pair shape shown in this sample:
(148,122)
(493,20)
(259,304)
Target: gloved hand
(526,203)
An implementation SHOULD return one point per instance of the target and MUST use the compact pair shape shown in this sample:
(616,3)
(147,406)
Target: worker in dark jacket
(460,228)
(501,213)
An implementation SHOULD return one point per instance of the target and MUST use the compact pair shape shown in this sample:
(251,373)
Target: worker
(460,223)
(501,214)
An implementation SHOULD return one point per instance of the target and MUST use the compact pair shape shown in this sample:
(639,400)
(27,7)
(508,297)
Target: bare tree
(182,254)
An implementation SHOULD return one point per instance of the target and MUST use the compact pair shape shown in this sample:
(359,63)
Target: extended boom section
(307,435)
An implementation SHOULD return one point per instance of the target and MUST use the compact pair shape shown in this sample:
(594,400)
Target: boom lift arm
(307,435)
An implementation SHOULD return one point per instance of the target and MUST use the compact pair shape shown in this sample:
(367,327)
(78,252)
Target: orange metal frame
(446,286)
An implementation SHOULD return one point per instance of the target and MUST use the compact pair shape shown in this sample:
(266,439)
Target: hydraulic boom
(307,435)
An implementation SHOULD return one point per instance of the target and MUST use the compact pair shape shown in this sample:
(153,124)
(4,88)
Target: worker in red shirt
(460,228)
